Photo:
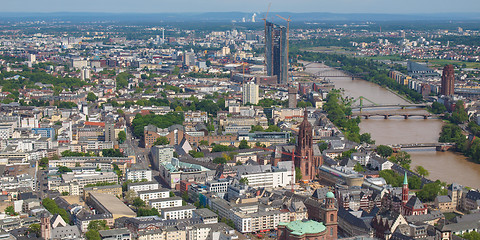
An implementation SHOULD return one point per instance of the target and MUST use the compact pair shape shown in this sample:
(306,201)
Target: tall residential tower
(250,93)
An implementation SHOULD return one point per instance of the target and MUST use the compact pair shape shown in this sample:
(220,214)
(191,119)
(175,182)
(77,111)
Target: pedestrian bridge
(402,106)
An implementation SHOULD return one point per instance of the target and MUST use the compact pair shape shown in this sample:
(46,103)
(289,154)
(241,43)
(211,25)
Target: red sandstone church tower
(305,159)
(448,81)
(405,190)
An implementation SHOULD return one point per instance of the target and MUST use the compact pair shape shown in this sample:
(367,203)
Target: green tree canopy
(384,151)
(91,97)
(162,141)
(421,171)
(122,136)
(244,145)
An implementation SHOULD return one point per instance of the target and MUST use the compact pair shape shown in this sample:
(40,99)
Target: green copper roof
(405,180)
(300,227)
(330,195)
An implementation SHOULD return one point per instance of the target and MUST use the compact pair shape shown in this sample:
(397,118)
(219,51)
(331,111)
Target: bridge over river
(438,146)
(387,114)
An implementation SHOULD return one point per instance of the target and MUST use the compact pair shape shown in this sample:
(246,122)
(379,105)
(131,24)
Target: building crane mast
(265,30)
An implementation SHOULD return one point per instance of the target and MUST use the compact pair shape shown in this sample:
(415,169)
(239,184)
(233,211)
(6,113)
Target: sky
(162,6)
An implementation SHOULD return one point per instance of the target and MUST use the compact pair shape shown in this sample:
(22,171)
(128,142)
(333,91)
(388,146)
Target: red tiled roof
(100,124)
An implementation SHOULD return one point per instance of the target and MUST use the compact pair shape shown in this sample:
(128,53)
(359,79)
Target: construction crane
(292,154)
(265,30)
(266,15)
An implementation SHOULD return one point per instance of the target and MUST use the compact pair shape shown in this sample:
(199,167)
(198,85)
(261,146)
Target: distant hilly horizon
(231,16)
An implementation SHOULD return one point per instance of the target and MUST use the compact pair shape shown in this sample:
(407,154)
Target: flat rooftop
(113,204)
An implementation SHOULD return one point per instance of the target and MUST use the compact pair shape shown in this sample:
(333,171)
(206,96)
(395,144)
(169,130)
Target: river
(445,166)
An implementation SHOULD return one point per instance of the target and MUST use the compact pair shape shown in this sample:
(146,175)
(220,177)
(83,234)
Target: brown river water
(445,166)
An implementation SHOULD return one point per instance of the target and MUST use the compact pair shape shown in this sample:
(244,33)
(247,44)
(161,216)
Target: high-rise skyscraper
(276,51)
(250,93)
(448,81)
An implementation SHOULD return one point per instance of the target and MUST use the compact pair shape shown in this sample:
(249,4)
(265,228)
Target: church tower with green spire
(405,190)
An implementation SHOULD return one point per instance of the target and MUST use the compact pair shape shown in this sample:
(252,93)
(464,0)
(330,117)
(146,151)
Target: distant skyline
(178,6)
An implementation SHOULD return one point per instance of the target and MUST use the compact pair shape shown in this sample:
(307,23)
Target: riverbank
(444,166)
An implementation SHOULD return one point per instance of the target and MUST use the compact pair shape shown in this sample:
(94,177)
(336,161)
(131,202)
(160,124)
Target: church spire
(405,180)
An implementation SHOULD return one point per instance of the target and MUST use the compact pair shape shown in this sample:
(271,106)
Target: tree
(63,169)
(366,138)
(323,146)
(91,97)
(34,228)
(414,182)
(162,141)
(402,158)
(384,151)
(65,193)
(298,174)
(53,208)
(473,235)
(130,196)
(359,168)
(203,143)
(112,153)
(430,191)
(10,211)
(422,171)
(273,128)
(437,108)
(147,212)
(257,128)
(391,177)
(459,115)
(122,136)
(172,194)
(138,202)
(222,148)
(92,235)
(303,104)
(220,160)
(244,145)
(43,162)
(97,225)
(244,181)
(196,154)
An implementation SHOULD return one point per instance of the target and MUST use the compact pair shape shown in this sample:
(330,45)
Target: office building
(448,81)
(292,97)
(250,93)
(189,59)
(276,52)
(109,132)
(139,174)
(161,154)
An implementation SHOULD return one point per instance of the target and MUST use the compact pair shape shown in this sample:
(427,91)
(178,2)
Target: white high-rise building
(32,58)
(250,93)
(189,59)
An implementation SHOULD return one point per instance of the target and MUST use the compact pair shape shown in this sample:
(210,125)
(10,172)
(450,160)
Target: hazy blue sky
(158,6)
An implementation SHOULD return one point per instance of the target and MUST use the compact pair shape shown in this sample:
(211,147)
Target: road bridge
(389,114)
(438,146)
